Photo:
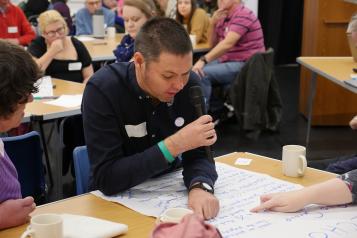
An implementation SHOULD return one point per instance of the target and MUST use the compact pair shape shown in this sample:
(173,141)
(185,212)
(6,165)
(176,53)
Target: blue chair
(26,154)
(81,168)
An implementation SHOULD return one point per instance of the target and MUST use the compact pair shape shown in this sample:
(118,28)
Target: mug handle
(28,233)
(302,165)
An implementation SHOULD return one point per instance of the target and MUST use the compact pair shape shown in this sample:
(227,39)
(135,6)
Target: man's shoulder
(82,12)
(111,75)
(107,12)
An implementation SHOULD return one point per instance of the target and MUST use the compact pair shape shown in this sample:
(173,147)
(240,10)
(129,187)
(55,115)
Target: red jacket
(14,24)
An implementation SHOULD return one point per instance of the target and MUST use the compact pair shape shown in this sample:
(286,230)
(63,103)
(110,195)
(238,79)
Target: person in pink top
(236,36)
(18,73)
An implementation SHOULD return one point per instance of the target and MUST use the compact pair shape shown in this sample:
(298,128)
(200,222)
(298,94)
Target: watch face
(207,186)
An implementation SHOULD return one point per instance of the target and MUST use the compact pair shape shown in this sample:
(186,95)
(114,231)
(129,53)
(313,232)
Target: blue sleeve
(81,24)
(109,18)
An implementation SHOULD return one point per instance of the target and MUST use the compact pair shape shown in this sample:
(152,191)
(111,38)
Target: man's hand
(218,14)
(198,68)
(198,133)
(13,41)
(16,212)
(203,203)
(282,202)
(353,123)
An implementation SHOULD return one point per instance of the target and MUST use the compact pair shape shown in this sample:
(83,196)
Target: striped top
(9,185)
(244,22)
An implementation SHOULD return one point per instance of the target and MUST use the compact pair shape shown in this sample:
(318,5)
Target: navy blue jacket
(122,128)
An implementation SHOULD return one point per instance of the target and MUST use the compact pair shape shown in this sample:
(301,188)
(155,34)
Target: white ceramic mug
(111,32)
(294,160)
(193,40)
(173,214)
(45,226)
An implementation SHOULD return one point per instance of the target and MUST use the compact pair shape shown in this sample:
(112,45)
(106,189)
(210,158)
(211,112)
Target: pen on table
(45,97)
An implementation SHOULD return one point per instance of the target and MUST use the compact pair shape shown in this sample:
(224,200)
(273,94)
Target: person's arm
(44,61)
(87,72)
(81,23)
(26,32)
(353,123)
(85,58)
(110,18)
(199,24)
(331,192)
(220,49)
(15,212)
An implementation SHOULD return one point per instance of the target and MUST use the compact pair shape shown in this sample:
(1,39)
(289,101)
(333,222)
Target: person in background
(210,6)
(18,74)
(135,14)
(195,19)
(14,27)
(33,8)
(110,4)
(168,8)
(57,54)
(139,122)
(236,36)
(62,7)
(84,17)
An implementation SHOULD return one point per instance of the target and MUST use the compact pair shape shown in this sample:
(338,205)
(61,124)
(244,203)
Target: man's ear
(138,59)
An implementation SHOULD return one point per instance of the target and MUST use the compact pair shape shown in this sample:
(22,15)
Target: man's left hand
(203,203)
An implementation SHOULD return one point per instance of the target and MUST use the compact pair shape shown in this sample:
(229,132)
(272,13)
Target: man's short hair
(18,73)
(161,34)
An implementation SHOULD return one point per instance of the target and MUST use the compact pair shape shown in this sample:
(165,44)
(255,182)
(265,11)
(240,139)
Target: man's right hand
(198,133)
(218,14)
(16,212)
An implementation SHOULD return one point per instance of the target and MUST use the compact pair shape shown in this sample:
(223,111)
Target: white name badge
(75,66)
(136,130)
(12,29)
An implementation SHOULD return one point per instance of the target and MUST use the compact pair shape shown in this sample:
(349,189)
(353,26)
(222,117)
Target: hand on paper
(16,212)
(282,202)
(198,133)
(203,203)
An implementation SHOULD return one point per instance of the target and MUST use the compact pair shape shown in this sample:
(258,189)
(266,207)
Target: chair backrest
(26,154)
(81,169)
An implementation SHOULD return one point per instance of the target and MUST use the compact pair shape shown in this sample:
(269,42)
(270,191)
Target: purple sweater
(9,185)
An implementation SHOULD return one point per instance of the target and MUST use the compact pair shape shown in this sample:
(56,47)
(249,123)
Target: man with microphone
(139,120)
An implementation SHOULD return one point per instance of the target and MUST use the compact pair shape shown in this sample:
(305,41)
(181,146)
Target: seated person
(341,190)
(195,19)
(57,54)
(110,4)
(84,17)
(237,35)
(119,22)
(138,119)
(62,7)
(33,8)
(14,27)
(18,74)
(135,14)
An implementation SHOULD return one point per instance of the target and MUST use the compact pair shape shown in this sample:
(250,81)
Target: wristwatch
(203,58)
(204,186)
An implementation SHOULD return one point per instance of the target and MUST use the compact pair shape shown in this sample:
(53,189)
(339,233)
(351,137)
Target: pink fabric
(191,226)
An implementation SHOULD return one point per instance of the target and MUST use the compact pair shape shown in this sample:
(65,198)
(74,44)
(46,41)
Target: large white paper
(68,101)
(45,87)
(238,191)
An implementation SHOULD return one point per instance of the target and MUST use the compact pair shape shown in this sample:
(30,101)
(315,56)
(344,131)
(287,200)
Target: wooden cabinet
(324,34)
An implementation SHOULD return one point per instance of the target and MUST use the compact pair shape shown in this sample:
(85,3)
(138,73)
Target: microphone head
(196,95)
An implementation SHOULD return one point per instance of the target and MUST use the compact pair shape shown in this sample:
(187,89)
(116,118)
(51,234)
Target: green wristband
(165,152)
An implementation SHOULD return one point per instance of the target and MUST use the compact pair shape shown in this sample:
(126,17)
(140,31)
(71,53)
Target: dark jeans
(338,165)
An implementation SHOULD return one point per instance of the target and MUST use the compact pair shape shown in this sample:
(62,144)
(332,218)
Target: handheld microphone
(198,102)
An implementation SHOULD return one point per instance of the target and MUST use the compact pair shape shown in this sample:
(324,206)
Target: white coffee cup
(294,160)
(111,32)
(174,214)
(45,226)
(193,40)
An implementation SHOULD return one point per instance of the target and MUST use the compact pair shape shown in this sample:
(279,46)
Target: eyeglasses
(59,31)
(93,3)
